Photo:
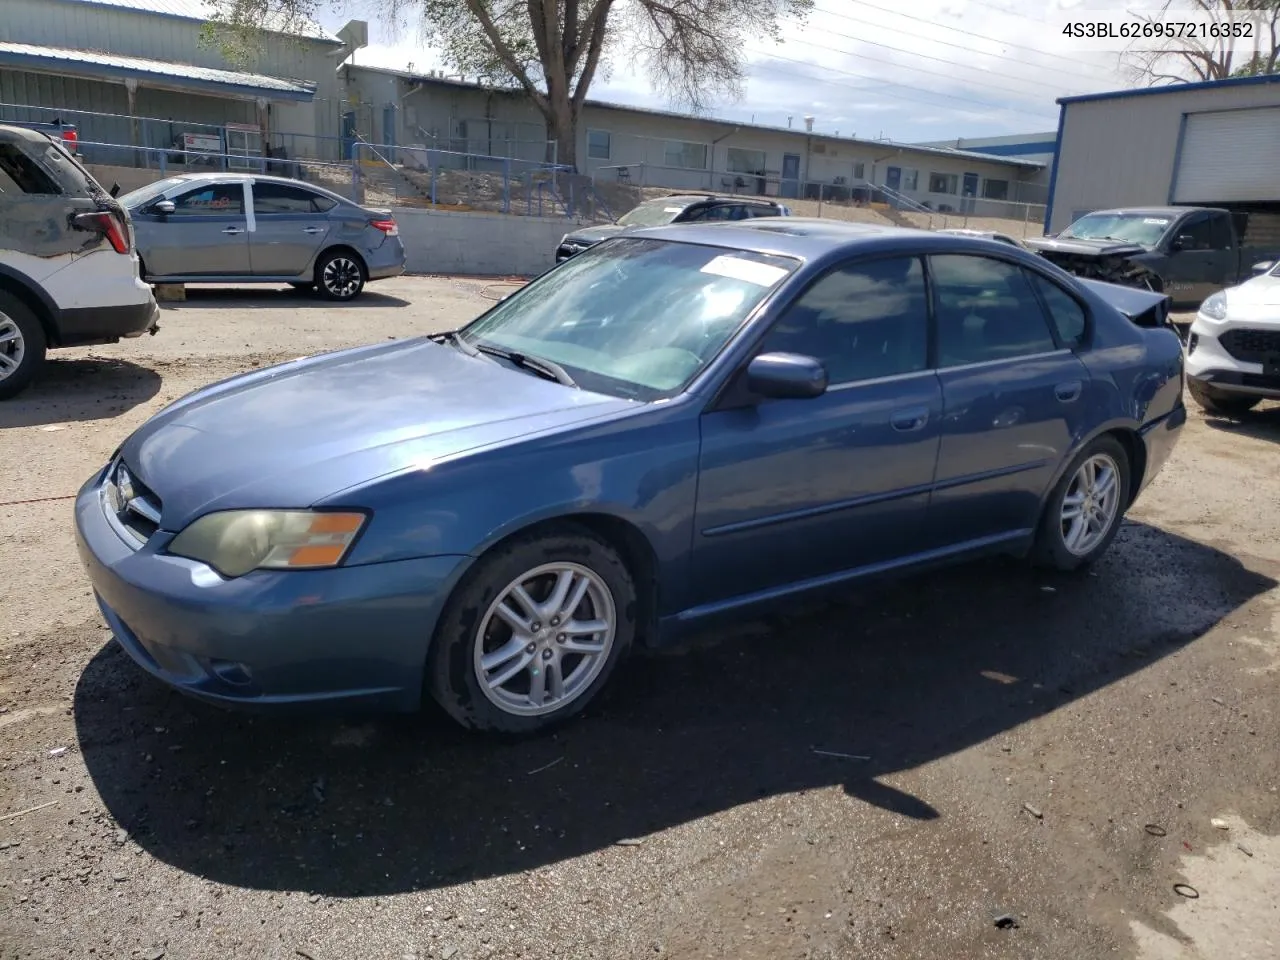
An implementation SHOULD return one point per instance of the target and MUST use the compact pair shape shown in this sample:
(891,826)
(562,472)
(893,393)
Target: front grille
(1251,346)
(130,503)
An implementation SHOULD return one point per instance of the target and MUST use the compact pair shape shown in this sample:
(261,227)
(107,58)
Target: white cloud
(932,69)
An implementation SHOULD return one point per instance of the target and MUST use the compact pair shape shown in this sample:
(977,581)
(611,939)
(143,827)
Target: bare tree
(552,50)
(1178,60)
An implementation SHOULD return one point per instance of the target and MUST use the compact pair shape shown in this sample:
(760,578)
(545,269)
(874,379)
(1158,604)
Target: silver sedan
(245,228)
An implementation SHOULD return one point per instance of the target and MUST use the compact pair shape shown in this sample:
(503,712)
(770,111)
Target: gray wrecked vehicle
(1186,253)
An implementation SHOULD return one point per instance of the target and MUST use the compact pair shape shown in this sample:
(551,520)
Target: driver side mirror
(1264,267)
(163,207)
(786,376)
(1183,241)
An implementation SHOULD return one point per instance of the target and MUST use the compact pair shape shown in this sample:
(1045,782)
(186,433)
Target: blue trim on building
(1177,156)
(1014,149)
(171,77)
(1053,171)
(1174,88)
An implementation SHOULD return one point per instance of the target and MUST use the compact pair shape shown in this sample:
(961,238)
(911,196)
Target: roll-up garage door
(1229,156)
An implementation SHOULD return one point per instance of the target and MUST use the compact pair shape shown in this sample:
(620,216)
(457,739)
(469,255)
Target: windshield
(631,317)
(135,198)
(655,213)
(1127,227)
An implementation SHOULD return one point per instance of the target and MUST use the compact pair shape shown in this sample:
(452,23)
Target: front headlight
(234,542)
(1215,308)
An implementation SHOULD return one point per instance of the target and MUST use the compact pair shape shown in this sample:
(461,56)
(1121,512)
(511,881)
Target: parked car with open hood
(68,267)
(1233,347)
(678,208)
(1188,253)
(248,228)
(676,426)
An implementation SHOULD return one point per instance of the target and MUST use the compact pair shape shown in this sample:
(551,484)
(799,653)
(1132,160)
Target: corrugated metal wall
(1121,152)
(60,23)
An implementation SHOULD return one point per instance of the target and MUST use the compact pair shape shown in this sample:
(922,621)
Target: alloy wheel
(544,639)
(341,277)
(12,346)
(1090,505)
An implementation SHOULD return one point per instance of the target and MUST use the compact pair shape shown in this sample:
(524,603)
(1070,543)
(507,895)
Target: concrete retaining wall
(482,244)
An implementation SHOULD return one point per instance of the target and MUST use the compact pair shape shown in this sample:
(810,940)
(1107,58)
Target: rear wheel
(1220,404)
(1084,511)
(22,346)
(533,632)
(340,275)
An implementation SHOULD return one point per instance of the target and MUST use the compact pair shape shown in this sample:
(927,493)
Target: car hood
(1263,291)
(596,234)
(1086,248)
(291,435)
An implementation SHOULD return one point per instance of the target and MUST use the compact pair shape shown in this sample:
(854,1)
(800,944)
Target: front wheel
(532,634)
(1084,511)
(340,275)
(1220,404)
(22,346)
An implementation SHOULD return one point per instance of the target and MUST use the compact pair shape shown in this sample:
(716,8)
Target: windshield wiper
(544,368)
(456,339)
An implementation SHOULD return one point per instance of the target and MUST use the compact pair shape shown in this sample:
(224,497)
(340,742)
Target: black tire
(1050,548)
(1220,404)
(340,275)
(451,675)
(24,335)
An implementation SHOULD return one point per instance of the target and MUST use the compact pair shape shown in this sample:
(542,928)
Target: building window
(598,144)
(944,183)
(910,179)
(859,171)
(690,156)
(996,189)
(745,161)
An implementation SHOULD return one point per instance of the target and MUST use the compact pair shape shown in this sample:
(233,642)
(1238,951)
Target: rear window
(20,174)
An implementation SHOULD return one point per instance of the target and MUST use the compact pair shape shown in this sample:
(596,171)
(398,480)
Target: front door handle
(1066,392)
(313,229)
(908,421)
(233,230)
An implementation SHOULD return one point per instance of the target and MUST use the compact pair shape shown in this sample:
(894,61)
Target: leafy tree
(552,50)
(1177,60)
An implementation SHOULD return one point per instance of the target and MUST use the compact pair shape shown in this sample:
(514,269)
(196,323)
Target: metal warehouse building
(1203,144)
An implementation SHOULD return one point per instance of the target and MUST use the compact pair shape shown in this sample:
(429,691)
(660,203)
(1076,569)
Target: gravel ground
(960,765)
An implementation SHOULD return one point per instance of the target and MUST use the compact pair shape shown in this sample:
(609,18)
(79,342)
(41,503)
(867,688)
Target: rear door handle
(233,230)
(908,421)
(1066,392)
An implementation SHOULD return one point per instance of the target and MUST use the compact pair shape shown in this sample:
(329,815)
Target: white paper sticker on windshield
(749,271)
(1157,221)
(672,209)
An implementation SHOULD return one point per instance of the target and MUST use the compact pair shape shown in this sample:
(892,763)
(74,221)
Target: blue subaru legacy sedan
(678,425)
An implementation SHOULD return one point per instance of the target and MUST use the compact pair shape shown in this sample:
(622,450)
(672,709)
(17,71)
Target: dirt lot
(963,765)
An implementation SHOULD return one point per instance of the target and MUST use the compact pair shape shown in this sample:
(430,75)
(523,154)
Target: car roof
(12,133)
(1153,211)
(262,177)
(689,199)
(802,237)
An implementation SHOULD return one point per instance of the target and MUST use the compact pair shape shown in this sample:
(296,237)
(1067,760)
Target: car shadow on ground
(271,296)
(898,675)
(1261,424)
(86,388)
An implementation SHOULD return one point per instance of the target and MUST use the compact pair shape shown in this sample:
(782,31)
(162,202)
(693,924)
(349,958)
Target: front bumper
(354,636)
(1212,365)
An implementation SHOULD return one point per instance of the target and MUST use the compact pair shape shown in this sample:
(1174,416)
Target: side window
(1220,231)
(282,198)
(696,215)
(20,174)
(1200,232)
(863,321)
(1064,310)
(986,310)
(217,198)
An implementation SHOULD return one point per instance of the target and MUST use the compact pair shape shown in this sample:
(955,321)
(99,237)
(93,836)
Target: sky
(928,70)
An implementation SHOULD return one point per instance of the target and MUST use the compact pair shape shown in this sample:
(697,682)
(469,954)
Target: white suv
(1233,348)
(68,267)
